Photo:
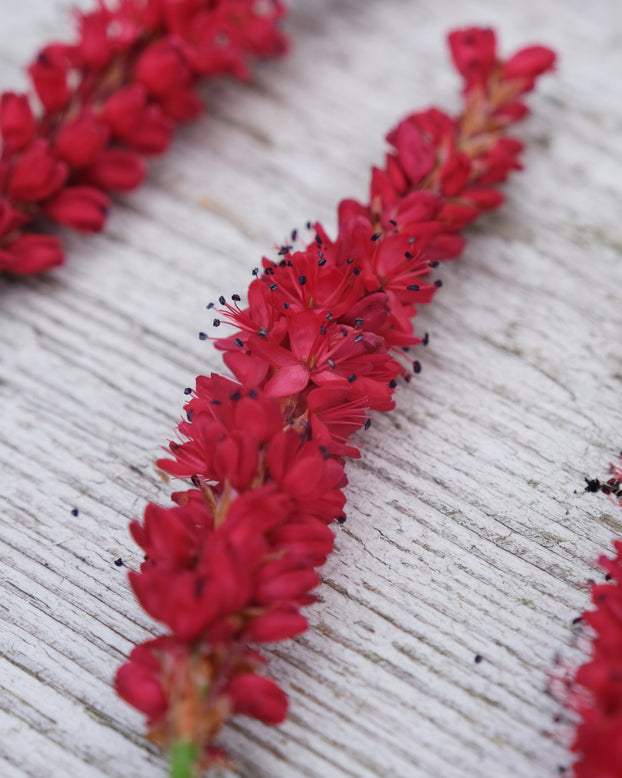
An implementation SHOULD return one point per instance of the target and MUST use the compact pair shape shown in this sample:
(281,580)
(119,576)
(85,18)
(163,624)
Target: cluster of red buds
(594,691)
(107,100)
(322,340)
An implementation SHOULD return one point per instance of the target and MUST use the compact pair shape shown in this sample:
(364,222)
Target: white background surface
(464,532)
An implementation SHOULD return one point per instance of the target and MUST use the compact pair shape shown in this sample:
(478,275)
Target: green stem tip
(183,759)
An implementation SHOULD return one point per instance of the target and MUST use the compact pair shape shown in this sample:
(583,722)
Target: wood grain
(465,534)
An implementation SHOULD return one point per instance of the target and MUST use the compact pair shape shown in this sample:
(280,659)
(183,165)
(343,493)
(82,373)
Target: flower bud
(10,219)
(32,254)
(259,697)
(79,142)
(81,207)
(182,105)
(455,174)
(529,62)
(125,109)
(37,173)
(473,52)
(17,123)
(153,134)
(49,77)
(117,170)
(162,69)
(94,46)
(274,626)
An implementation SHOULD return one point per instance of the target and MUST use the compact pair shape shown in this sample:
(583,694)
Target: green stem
(183,759)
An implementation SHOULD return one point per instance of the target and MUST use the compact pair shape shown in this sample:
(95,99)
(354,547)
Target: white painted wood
(465,534)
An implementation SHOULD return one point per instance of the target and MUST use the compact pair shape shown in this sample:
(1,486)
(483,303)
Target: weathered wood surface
(465,535)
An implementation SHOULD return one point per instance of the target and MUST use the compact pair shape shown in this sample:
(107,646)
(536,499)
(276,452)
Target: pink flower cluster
(107,100)
(595,693)
(321,341)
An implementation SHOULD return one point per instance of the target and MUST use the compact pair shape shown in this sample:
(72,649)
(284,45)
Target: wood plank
(464,535)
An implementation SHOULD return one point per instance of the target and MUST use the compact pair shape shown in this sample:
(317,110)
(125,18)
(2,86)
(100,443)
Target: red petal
(287,380)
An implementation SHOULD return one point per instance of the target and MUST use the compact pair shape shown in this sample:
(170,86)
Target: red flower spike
(110,97)
(593,692)
(319,343)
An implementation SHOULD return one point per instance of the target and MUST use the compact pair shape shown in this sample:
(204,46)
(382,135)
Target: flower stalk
(107,101)
(323,340)
(183,759)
